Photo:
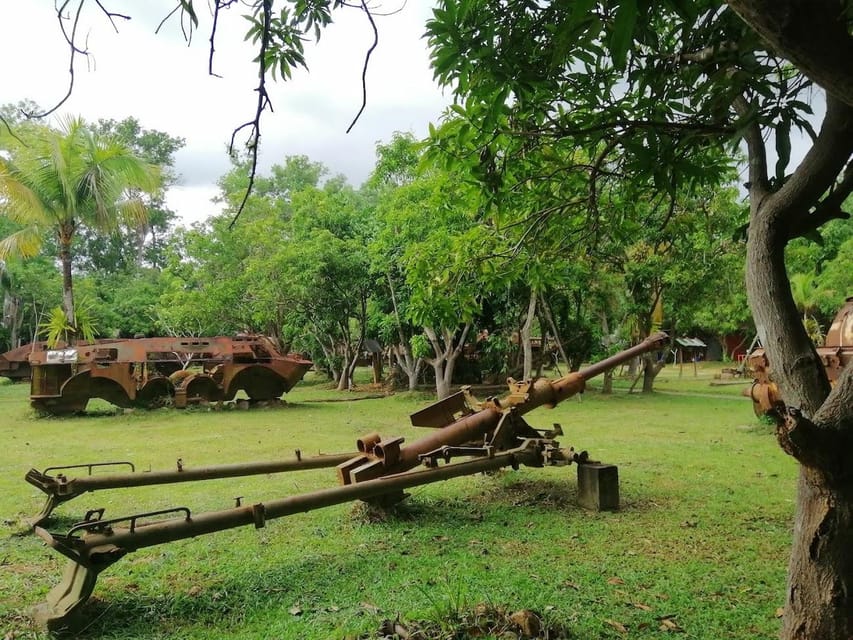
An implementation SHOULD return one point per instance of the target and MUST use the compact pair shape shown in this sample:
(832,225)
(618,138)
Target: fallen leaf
(295,610)
(370,608)
(571,585)
(194,591)
(668,624)
(528,622)
(621,628)
(780,612)
(440,538)
(640,605)
(615,580)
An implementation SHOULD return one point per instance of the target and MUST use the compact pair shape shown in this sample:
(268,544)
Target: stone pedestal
(598,486)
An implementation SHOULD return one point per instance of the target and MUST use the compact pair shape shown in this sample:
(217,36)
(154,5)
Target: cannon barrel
(523,397)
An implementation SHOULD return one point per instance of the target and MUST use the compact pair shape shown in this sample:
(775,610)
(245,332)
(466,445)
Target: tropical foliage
(56,182)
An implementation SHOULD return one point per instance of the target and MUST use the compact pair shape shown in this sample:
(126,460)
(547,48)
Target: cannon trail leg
(63,601)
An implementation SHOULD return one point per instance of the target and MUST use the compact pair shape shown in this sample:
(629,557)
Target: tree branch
(828,209)
(812,34)
(821,165)
(759,184)
(263,103)
(73,51)
(366,63)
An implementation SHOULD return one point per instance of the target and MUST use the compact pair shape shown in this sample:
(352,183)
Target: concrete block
(598,486)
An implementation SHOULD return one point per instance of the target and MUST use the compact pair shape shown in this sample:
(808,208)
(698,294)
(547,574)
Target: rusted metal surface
(473,424)
(493,434)
(151,372)
(95,545)
(15,364)
(835,354)
(61,488)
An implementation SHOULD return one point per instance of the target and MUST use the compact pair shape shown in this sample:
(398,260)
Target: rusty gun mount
(493,434)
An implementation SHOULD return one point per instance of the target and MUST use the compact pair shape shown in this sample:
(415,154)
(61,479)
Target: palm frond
(25,243)
(20,199)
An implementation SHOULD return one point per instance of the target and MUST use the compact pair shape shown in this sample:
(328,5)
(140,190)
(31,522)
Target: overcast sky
(164,83)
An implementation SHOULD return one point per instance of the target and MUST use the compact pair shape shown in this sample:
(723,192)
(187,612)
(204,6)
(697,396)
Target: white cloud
(164,83)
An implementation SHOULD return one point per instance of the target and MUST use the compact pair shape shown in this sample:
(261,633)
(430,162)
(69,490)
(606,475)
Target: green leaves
(57,329)
(622,33)
(284,34)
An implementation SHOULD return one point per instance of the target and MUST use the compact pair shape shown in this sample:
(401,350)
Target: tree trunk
(650,371)
(12,318)
(410,365)
(821,567)
(607,383)
(819,432)
(820,571)
(67,287)
(329,355)
(525,336)
(546,309)
(445,357)
(442,389)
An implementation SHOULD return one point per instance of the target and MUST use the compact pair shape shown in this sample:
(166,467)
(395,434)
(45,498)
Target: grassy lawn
(699,546)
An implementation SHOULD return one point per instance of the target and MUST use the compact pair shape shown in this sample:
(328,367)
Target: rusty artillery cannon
(835,354)
(151,372)
(492,434)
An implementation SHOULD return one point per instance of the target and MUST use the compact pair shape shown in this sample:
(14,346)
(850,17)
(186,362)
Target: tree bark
(410,365)
(607,383)
(651,369)
(820,581)
(525,336)
(67,286)
(445,357)
(813,34)
(549,316)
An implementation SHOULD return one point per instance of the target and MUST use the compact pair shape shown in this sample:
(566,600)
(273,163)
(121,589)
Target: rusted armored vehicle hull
(15,364)
(151,372)
(835,354)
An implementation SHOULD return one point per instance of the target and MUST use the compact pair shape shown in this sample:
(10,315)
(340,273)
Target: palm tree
(57,181)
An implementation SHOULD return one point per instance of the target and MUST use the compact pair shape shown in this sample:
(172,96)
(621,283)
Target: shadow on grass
(141,412)
(220,603)
(299,595)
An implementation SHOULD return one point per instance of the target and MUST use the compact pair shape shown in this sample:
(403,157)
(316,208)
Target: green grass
(702,536)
